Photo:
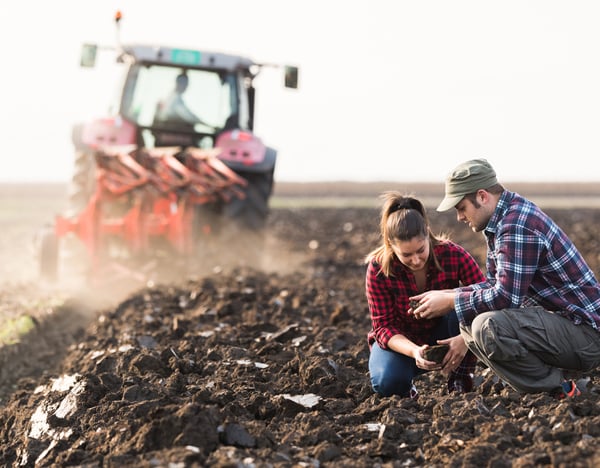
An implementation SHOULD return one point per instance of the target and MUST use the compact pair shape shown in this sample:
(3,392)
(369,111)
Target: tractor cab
(179,97)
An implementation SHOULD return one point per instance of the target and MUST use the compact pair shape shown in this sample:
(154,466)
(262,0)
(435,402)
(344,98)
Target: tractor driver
(173,108)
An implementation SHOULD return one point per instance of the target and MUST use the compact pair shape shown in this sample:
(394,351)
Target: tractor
(173,166)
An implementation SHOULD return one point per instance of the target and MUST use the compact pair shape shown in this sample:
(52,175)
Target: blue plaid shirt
(531,262)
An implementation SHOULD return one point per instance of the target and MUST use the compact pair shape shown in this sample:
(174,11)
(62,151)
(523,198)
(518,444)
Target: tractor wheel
(83,181)
(244,221)
(48,254)
(251,212)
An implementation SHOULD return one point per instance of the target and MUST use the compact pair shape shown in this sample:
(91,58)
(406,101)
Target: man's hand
(433,304)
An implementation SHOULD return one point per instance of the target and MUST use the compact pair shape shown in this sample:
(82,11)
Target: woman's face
(412,253)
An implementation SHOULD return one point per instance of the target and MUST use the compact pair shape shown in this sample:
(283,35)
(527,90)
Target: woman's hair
(403,218)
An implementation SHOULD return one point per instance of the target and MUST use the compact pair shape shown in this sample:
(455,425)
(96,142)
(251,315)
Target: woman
(409,261)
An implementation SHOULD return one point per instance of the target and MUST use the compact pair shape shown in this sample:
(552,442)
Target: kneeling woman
(409,261)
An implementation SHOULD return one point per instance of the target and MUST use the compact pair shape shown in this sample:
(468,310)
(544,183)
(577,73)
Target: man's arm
(434,303)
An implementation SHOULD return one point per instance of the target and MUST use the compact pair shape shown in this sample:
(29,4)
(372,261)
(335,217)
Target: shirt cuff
(462,306)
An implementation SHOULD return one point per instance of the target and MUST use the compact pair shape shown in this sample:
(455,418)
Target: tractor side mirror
(88,55)
(291,77)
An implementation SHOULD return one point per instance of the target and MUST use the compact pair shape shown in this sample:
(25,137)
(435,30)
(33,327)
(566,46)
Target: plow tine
(217,165)
(212,178)
(118,171)
(167,173)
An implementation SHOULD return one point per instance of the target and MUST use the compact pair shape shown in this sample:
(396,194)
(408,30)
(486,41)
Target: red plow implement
(145,198)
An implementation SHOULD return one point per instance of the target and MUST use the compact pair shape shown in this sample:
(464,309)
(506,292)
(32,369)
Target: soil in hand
(436,353)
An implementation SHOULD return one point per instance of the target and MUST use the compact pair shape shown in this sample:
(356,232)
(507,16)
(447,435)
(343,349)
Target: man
(174,109)
(535,321)
(175,119)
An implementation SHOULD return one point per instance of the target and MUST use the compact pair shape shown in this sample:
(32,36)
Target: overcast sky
(389,89)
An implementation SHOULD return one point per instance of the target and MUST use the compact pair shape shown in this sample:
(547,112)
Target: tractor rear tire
(244,221)
(48,255)
(251,213)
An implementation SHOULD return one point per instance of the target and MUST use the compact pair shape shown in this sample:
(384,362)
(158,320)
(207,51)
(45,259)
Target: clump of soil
(268,367)
(435,353)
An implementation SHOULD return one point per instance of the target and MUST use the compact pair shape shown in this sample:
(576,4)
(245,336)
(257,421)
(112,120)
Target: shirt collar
(499,212)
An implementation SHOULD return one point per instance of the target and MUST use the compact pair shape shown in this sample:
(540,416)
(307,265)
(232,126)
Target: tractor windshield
(202,101)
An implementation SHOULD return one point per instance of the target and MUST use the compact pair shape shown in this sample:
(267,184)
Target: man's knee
(490,333)
(480,323)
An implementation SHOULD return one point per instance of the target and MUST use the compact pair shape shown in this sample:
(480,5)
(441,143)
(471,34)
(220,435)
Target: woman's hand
(423,363)
(455,355)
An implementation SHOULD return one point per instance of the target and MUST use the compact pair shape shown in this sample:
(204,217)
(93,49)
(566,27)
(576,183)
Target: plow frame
(147,195)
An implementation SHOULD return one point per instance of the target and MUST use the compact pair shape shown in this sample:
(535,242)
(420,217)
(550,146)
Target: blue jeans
(392,373)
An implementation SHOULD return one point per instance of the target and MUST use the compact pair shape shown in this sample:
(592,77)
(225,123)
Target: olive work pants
(531,349)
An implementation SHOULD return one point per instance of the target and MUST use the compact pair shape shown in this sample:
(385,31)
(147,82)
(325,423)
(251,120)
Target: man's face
(475,214)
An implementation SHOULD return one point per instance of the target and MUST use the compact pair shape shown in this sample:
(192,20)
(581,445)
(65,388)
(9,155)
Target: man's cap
(466,178)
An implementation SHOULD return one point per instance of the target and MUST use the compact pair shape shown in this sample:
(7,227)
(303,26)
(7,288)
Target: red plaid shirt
(388,296)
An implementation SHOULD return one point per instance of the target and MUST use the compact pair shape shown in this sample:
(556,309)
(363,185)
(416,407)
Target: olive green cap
(466,178)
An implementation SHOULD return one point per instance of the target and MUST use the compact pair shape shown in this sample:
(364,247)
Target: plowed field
(242,364)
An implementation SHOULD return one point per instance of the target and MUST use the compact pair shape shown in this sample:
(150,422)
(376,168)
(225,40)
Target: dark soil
(249,367)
